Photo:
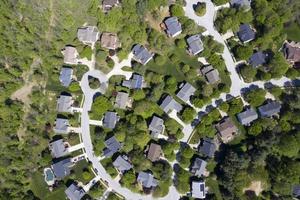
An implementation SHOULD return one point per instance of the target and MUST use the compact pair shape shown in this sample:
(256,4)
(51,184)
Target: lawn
(171,67)
(293,32)
(78,170)
(40,188)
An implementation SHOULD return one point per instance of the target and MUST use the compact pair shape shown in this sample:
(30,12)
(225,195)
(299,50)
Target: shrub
(200,9)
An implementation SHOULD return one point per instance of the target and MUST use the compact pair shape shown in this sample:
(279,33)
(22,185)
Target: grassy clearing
(40,188)
(79,168)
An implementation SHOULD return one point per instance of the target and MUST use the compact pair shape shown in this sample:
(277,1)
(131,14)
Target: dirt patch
(155,19)
(256,187)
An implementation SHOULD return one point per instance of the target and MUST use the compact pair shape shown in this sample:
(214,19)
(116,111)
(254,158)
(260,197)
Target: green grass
(214,188)
(293,32)
(40,188)
(171,68)
(78,171)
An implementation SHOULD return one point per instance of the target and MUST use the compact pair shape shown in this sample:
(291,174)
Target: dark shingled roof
(74,192)
(141,54)
(198,167)
(112,146)
(258,58)
(61,169)
(269,109)
(207,147)
(247,116)
(65,76)
(245,33)
(110,120)
(147,180)
(122,164)
(173,26)
(195,44)
(186,92)
(170,104)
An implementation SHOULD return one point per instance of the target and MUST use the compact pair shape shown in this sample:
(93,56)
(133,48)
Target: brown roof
(226,129)
(292,52)
(110,41)
(154,152)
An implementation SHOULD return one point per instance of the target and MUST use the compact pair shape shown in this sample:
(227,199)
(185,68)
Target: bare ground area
(155,22)
(23,93)
(256,187)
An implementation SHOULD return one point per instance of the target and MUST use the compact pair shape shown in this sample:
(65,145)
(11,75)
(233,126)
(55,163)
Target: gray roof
(112,146)
(269,109)
(170,104)
(186,92)
(198,167)
(156,126)
(258,58)
(66,76)
(246,33)
(296,191)
(121,100)
(173,26)
(198,189)
(241,3)
(213,76)
(147,180)
(61,169)
(110,120)
(64,103)
(207,147)
(141,54)
(61,125)
(58,148)
(70,55)
(88,34)
(122,164)
(136,82)
(74,192)
(108,4)
(195,44)
(247,116)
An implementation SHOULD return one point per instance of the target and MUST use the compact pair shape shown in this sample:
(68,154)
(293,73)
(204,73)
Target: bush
(188,114)
(200,9)
(176,10)
(159,60)
(110,63)
(74,87)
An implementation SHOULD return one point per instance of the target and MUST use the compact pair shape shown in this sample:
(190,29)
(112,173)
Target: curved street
(207,21)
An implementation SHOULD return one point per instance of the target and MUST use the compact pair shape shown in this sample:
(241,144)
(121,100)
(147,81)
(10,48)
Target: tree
(188,114)
(144,108)
(278,65)
(236,106)
(220,2)
(224,107)
(176,10)
(256,97)
(180,43)
(255,129)
(138,95)
(288,146)
(207,90)
(100,106)
(185,68)
(200,9)
(159,60)
(243,52)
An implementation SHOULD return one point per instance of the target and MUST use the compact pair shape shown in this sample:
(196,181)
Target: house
(185,92)
(58,148)
(247,116)
(110,41)
(198,189)
(123,100)
(122,164)
(112,146)
(246,4)
(269,109)
(64,103)
(291,51)
(296,191)
(65,76)
(170,104)
(246,34)
(70,55)
(154,152)
(211,74)
(195,44)
(198,168)
(61,126)
(107,5)
(207,147)
(110,120)
(147,180)
(74,192)
(226,129)
(136,82)
(257,59)
(88,35)
(141,54)
(156,127)
(173,27)
(62,168)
